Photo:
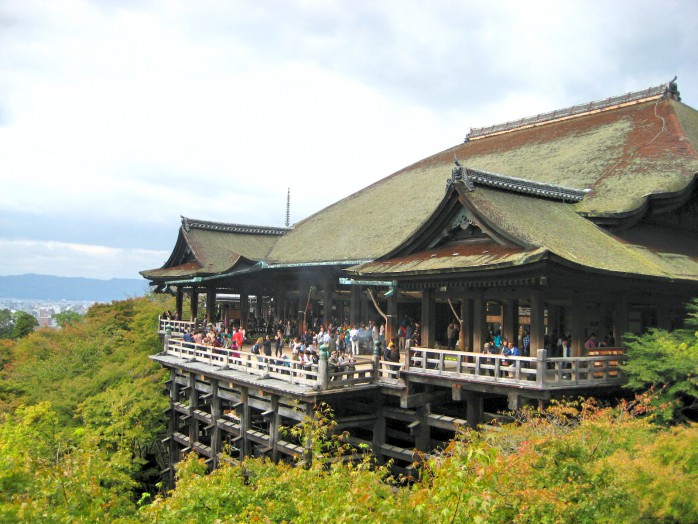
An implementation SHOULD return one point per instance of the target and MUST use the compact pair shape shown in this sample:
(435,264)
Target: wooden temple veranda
(579,221)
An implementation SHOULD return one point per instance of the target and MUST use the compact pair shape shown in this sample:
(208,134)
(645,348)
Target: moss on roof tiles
(556,227)
(217,251)
(574,159)
(612,152)
(366,224)
(688,120)
(452,263)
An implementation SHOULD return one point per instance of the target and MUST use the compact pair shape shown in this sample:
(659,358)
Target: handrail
(546,373)
(533,372)
(264,366)
(176,327)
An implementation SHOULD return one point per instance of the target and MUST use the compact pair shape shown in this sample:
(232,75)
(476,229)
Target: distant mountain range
(70,288)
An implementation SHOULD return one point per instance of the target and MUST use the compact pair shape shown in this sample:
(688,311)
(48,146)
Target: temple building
(571,222)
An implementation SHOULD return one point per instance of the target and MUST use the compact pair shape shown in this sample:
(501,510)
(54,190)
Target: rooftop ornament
(669,90)
(470,177)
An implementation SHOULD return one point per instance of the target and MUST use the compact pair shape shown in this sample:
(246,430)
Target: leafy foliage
(667,362)
(67,318)
(103,398)
(16,325)
(86,455)
(44,478)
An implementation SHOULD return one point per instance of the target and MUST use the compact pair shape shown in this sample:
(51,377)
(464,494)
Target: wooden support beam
(444,422)
(419,399)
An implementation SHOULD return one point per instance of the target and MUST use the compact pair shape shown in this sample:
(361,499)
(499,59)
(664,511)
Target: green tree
(67,318)
(6,323)
(666,362)
(45,478)
(23,324)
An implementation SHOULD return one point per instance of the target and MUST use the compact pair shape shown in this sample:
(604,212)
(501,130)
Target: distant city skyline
(118,118)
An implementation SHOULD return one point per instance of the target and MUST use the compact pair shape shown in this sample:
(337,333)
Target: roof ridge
(470,177)
(668,89)
(190,223)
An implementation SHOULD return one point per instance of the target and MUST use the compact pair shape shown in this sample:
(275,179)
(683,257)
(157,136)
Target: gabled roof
(533,188)
(527,229)
(621,158)
(205,248)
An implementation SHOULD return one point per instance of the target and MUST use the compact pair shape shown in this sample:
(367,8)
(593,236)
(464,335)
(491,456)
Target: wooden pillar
(278,307)
(308,409)
(422,438)
(172,427)
(300,319)
(379,429)
(537,333)
(258,307)
(363,310)
(243,414)
(578,324)
(194,303)
(391,326)
(428,318)
(554,326)
(244,308)
(193,404)
(327,298)
(513,400)
(274,427)
(466,325)
(510,313)
(179,301)
(474,408)
(354,305)
(479,322)
(211,304)
(216,413)
(620,321)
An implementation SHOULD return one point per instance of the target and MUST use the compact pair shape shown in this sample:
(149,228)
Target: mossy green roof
(622,155)
(201,251)
(543,228)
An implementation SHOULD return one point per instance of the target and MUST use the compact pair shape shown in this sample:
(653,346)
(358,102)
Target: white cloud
(130,114)
(18,257)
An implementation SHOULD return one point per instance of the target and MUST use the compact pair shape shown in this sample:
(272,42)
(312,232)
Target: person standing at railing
(354,338)
(238,337)
(266,346)
(488,349)
(279,344)
(257,349)
(526,344)
(497,339)
(592,342)
(452,334)
(506,351)
(226,338)
(417,335)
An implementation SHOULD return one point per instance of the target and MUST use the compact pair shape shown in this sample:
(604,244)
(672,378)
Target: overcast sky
(118,117)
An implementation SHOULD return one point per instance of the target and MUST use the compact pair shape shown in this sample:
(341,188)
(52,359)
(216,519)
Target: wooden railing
(176,327)
(539,371)
(283,369)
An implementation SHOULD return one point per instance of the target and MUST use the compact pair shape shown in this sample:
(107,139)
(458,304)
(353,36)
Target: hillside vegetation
(82,418)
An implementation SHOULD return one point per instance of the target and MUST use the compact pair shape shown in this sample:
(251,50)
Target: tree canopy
(666,362)
(16,325)
(81,418)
